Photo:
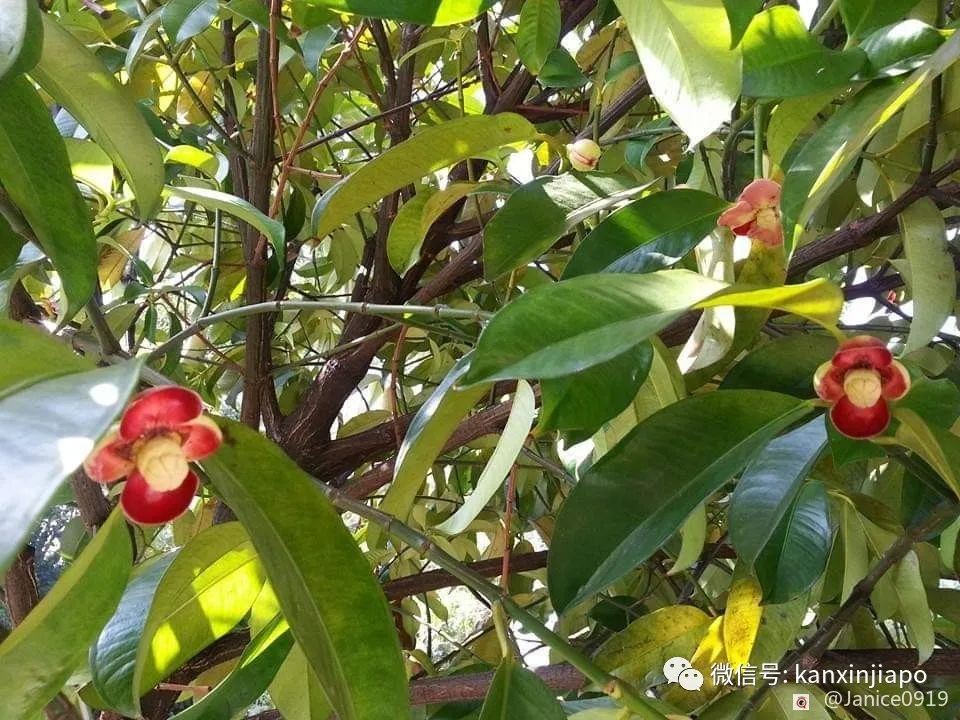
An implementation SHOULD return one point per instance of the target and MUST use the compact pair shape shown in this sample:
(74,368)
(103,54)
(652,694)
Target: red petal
(862,351)
(203,437)
(828,382)
(738,216)
(772,237)
(859,423)
(761,193)
(109,460)
(145,506)
(163,407)
(896,381)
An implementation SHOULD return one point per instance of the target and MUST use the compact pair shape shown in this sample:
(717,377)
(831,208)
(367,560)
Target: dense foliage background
(457,281)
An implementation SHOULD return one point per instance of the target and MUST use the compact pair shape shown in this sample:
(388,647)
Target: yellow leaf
(741,621)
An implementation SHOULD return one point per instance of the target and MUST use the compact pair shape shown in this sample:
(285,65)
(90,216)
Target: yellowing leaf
(741,620)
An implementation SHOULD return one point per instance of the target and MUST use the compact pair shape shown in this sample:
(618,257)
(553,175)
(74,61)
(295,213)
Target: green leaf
(296,691)
(248,680)
(685,49)
(334,605)
(207,590)
(649,234)
(29,355)
(796,554)
(39,656)
(183,19)
(21,36)
(429,431)
(35,173)
(782,59)
(113,657)
(539,213)
(826,158)
(561,329)
(928,270)
(646,486)
(512,440)
(423,12)
(29,258)
(898,48)
(693,536)
(590,398)
(426,152)
(936,401)
(740,13)
(914,609)
(518,694)
(77,79)
(238,207)
(788,121)
(861,16)
(938,448)
(769,485)
(856,561)
(58,422)
(539,32)
(564,328)
(560,70)
(785,365)
(146,31)
(413,221)
(649,641)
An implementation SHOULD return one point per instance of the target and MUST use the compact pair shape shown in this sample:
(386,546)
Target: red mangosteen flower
(756,213)
(859,381)
(161,431)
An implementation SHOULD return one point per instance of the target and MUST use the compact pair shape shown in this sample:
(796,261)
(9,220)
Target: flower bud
(584,155)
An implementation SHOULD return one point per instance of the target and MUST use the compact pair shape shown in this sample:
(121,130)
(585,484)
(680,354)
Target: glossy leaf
(928,270)
(827,157)
(296,691)
(898,48)
(562,329)
(78,80)
(35,173)
(57,421)
(649,234)
(429,431)
(30,355)
(649,641)
(21,36)
(856,562)
(785,365)
(423,12)
(740,13)
(518,694)
(537,214)
(590,398)
(113,658)
(183,19)
(796,555)
(238,207)
(769,485)
(512,440)
(861,16)
(567,327)
(782,59)
(428,151)
(560,70)
(646,486)
(344,627)
(206,591)
(38,657)
(938,448)
(685,49)
(248,680)
(539,32)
